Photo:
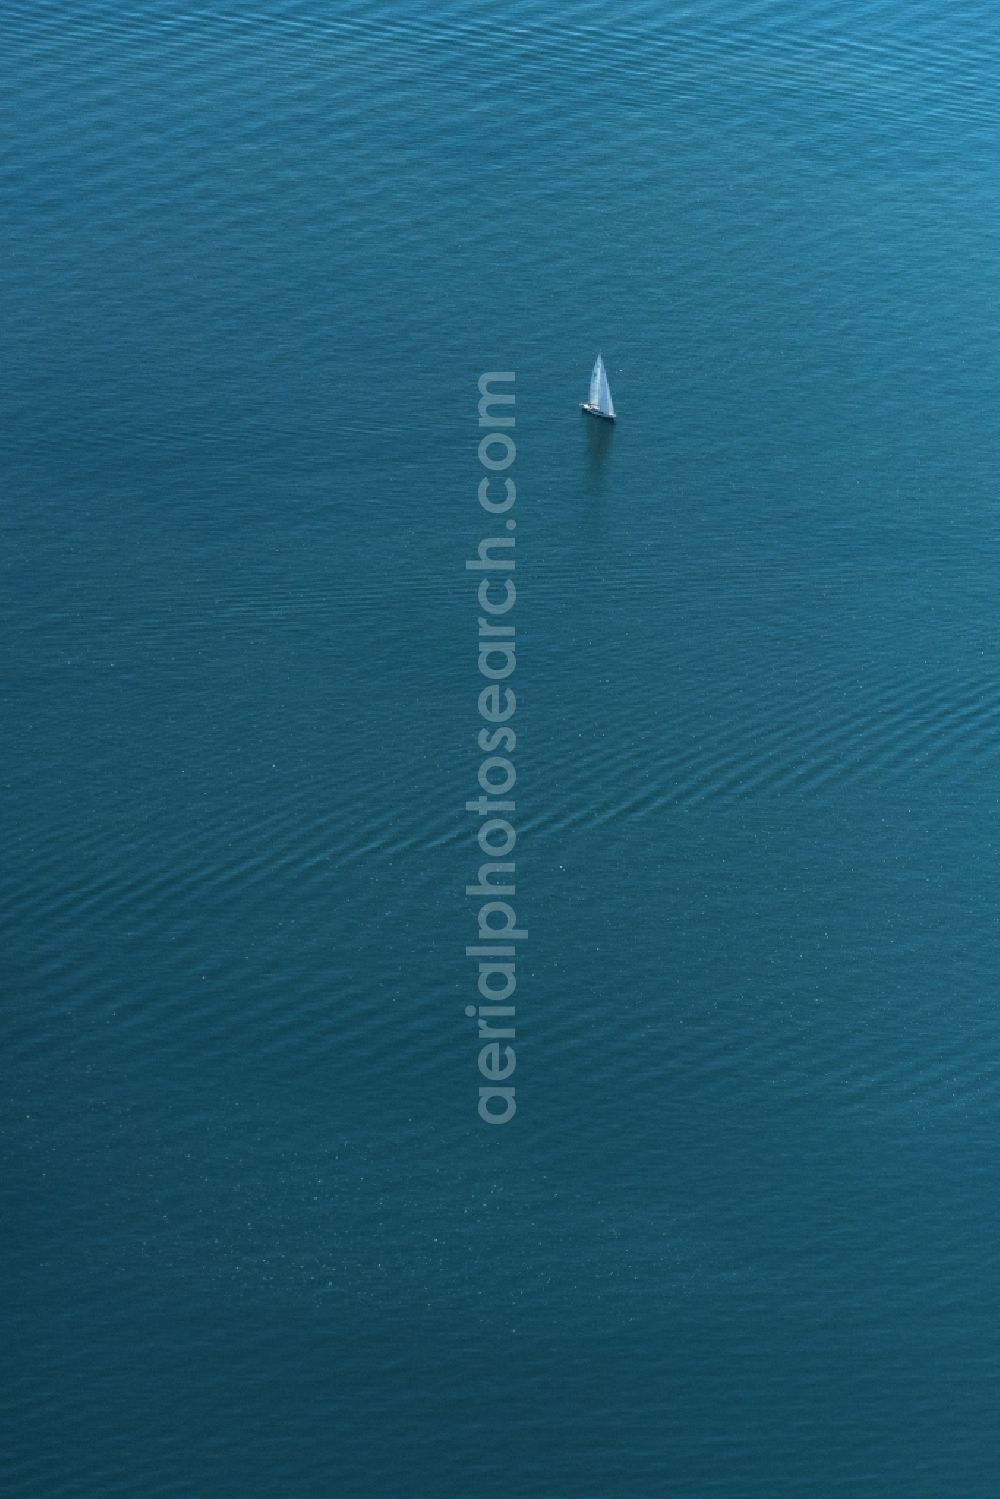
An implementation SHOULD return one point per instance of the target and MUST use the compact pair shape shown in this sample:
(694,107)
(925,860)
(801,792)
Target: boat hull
(605,416)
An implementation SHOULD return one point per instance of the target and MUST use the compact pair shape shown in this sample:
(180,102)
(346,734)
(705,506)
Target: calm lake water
(741,1238)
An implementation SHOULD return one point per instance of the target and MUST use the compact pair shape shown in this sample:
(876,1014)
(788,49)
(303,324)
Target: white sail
(600,391)
(606,404)
(595,383)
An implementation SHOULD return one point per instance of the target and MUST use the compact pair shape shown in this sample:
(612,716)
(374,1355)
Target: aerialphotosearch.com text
(497,931)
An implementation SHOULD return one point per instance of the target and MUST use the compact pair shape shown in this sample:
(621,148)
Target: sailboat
(600,402)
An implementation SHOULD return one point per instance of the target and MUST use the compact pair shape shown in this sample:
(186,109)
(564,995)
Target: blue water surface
(740,1239)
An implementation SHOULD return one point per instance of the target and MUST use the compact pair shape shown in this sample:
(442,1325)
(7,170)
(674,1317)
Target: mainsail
(595,382)
(600,390)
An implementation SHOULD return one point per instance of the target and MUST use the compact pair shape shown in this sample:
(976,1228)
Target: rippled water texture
(740,1239)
